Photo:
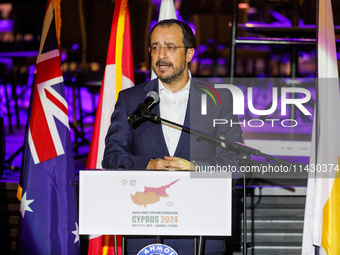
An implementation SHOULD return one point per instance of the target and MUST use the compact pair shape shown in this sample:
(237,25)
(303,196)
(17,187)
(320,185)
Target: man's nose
(162,53)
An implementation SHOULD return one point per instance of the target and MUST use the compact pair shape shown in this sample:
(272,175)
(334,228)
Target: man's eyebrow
(169,43)
(166,43)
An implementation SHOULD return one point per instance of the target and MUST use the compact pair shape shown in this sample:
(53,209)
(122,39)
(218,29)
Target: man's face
(168,62)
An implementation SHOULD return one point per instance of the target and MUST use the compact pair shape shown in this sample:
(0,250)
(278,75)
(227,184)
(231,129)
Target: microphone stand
(237,147)
(241,150)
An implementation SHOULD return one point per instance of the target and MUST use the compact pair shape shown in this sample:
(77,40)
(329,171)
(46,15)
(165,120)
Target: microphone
(136,117)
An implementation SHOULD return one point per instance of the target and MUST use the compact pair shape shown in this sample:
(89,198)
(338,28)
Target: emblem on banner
(157,249)
(133,182)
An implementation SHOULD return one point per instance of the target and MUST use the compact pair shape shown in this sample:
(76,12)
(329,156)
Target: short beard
(175,76)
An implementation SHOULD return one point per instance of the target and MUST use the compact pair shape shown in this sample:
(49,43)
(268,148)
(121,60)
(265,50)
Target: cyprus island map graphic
(151,195)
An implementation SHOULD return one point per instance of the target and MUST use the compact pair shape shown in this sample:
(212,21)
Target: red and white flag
(118,76)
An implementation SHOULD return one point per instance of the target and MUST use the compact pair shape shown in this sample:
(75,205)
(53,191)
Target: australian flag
(48,210)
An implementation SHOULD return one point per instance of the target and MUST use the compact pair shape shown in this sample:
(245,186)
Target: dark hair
(188,35)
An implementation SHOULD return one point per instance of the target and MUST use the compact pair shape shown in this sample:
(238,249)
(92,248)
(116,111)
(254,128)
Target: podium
(171,203)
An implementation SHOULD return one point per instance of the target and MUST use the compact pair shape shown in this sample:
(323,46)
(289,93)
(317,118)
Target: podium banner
(153,203)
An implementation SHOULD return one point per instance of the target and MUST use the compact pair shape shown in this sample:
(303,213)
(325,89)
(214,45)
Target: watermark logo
(239,99)
(204,98)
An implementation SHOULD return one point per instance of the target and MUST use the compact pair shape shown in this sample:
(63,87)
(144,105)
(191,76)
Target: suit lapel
(184,139)
(156,129)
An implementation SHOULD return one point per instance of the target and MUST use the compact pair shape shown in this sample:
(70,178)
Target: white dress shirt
(173,107)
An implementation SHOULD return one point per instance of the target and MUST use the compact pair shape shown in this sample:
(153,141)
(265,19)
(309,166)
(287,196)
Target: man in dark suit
(152,146)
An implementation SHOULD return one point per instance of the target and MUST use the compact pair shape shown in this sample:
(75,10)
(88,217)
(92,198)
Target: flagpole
(316,107)
(115,243)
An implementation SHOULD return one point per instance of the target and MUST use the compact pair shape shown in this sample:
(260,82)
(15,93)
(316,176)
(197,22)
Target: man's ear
(190,54)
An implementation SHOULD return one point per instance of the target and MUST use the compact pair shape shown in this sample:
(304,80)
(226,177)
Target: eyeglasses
(169,48)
